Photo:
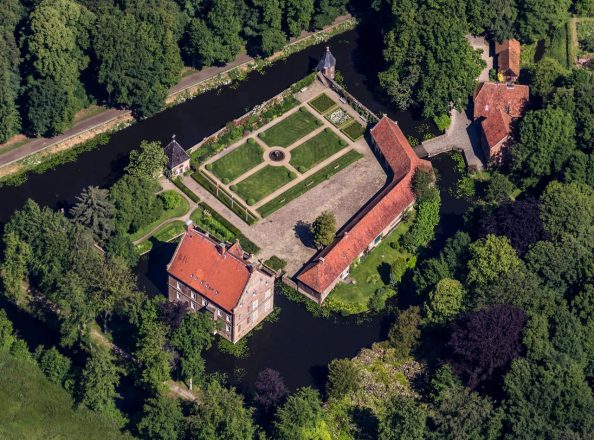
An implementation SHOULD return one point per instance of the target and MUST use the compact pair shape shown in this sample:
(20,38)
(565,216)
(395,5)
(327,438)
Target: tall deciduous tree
(193,335)
(491,257)
(221,413)
(298,15)
(539,17)
(445,301)
(301,417)
(323,229)
(14,267)
(343,378)
(147,161)
(162,419)
(98,383)
(403,419)
(56,43)
(153,360)
(405,332)
(271,390)
(486,342)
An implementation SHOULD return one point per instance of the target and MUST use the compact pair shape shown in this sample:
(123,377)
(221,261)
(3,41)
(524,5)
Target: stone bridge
(462,135)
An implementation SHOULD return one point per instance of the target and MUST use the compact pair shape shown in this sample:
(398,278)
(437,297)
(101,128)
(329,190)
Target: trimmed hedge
(224,198)
(187,191)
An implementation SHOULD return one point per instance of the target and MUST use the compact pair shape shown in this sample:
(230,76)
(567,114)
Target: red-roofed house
(216,278)
(508,59)
(380,217)
(496,105)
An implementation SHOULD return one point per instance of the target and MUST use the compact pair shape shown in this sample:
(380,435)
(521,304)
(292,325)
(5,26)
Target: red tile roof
(380,213)
(496,127)
(497,104)
(210,269)
(508,57)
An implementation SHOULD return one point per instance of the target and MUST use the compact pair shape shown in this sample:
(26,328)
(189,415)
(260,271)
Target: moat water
(298,345)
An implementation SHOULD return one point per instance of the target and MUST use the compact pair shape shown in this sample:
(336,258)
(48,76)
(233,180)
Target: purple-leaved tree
(270,389)
(484,343)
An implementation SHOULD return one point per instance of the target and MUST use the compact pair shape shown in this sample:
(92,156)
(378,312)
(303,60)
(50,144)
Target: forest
(496,331)
(59,56)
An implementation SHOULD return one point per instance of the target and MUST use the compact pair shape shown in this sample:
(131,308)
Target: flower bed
(339,117)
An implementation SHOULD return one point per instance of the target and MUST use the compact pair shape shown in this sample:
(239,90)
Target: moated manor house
(217,278)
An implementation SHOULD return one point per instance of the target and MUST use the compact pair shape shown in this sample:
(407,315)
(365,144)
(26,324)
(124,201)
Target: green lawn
(316,150)
(354,130)
(371,273)
(182,208)
(33,408)
(291,129)
(311,182)
(239,161)
(322,103)
(557,45)
(162,235)
(264,182)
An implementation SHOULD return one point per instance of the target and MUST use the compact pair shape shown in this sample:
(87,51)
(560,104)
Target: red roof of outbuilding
(380,213)
(210,269)
(508,57)
(498,104)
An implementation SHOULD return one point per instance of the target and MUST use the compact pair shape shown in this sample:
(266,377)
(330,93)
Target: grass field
(316,150)
(371,273)
(354,130)
(322,103)
(290,130)
(262,183)
(311,182)
(33,408)
(182,208)
(163,235)
(237,162)
(557,45)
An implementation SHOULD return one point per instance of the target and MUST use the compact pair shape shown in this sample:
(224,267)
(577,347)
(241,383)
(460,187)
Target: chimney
(222,248)
(321,259)
(189,225)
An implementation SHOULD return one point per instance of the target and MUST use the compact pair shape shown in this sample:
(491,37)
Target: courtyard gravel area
(284,233)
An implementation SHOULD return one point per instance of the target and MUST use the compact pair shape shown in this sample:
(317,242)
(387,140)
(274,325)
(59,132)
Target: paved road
(187,82)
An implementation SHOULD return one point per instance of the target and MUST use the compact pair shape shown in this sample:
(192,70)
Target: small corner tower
(327,64)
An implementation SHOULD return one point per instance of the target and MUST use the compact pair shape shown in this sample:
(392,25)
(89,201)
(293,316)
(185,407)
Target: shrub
(251,141)
(233,188)
(276,263)
(405,332)
(327,130)
(301,169)
(226,181)
(318,122)
(53,364)
(262,135)
(292,175)
(343,378)
(302,109)
(170,200)
(251,202)
(343,142)
(442,122)
(208,166)
(377,301)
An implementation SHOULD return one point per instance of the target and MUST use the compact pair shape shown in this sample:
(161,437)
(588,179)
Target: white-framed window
(228,318)
(228,328)
(255,315)
(267,305)
(255,304)
(177,295)
(193,306)
(268,293)
(177,285)
(204,302)
(193,295)
(219,313)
